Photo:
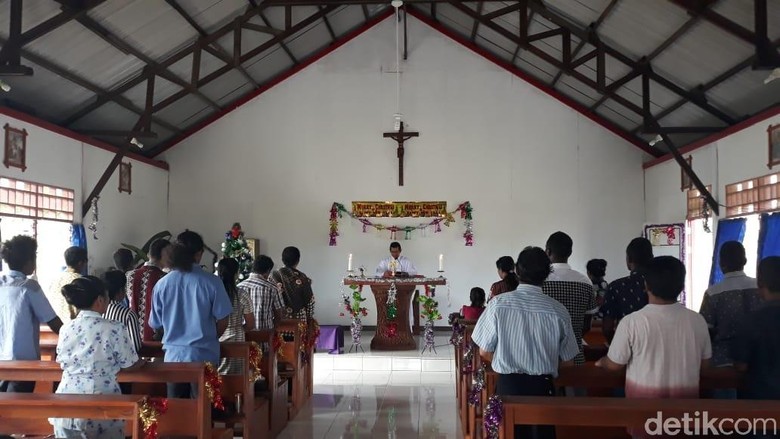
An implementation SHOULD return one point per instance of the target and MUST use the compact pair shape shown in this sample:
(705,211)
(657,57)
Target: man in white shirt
(395,265)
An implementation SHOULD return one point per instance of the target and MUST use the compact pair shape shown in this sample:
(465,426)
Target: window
(43,212)
(756,195)
(36,201)
(696,203)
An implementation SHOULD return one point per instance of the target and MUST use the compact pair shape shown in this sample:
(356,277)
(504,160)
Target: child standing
(91,351)
(477,297)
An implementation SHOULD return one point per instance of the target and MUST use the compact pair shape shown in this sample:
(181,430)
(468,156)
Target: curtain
(769,236)
(728,230)
(78,238)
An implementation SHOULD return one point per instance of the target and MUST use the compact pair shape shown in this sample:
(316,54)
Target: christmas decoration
(492,416)
(277,347)
(355,329)
(338,210)
(214,387)
(236,247)
(476,388)
(352,305)
(458,331)
(392,311)
(308,338)
(430,312)
(399,209)
(94,224)
(468,361)
(255,361)
(151,410)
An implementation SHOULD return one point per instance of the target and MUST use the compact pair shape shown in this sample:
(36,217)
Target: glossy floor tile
(393,395)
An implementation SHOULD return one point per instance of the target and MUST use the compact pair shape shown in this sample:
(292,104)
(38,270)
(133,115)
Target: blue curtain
(78,238)
(728,230)
(769,236)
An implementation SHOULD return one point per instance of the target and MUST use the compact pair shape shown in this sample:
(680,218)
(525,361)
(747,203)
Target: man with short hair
(664,346)
(727,304)
(527,335)
(76,262)
(395,265)
(266,298)
(123,260)
(627,295)
(295,287)
(141,282)
(571,288)
(23,308)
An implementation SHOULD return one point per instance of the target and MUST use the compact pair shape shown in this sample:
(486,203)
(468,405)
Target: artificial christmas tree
(235,247)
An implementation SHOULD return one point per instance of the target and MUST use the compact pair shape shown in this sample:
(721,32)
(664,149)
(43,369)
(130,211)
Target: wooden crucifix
(401,136)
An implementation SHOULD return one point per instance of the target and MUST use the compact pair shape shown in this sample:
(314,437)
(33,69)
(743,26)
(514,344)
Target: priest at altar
(395,265)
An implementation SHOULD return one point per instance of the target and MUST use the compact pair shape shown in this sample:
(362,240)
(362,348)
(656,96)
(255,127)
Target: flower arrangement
(352,305)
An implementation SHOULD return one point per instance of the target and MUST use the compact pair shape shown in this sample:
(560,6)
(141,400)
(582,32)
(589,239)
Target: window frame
(697,202)
(762,193)
(40,192)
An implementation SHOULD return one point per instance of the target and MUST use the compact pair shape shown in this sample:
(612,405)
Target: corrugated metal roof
(700,54)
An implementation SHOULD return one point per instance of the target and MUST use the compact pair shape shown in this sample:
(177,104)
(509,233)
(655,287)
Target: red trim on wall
(32,120)
(569,102)
(275,81)
(747,123)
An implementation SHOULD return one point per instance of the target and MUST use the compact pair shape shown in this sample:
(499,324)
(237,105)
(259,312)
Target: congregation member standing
(23,308)
(627,295)
(664,345)
(597,270)
(115,281)
(123,260)
(727,304)
(526,335)
(91,351)
(505,266)
(76,262)
(192,307)
(295,286)
(241,317)
(756,348)
(266,298)
(141,282)
(569,287)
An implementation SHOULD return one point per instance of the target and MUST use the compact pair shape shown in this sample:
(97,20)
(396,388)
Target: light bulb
(135,142)
(5,86)
(775,74)
(397,3)
(657,139)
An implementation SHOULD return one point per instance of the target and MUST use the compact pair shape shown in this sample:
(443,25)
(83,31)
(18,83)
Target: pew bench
(254,416)
(622,413)
(28,413)
(185,417)
(271,386)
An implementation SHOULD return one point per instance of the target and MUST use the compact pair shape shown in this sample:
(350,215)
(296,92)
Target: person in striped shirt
(527,336)
(115,282)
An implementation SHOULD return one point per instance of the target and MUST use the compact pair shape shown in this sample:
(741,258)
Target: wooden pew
(185,417)
(621,413)
(291,366)
(28,413)
(254,416)
(276,386)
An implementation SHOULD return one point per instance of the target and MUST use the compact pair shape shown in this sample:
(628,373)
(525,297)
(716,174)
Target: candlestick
(441,262)
(349,263)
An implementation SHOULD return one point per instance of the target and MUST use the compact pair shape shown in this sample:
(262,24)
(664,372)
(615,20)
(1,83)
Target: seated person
(396,265)
(477,297)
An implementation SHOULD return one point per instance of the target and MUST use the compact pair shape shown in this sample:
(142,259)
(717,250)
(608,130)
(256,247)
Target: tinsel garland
(468,361)
(308,338)
(338,210)
(277,347)
(214,387)
(477,386)
(458,332)
(93,226)
(492,416)
(392,311)
(151,410)
(255,361)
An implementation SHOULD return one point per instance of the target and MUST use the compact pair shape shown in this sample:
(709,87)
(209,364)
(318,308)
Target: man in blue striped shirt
(527,335)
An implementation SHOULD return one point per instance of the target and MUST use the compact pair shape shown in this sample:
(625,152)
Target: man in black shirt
(756,349)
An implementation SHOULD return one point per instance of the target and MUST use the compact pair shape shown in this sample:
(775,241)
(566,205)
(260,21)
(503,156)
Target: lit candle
(441,262)
(349,264)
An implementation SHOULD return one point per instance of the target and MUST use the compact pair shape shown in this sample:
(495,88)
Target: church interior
(487,198)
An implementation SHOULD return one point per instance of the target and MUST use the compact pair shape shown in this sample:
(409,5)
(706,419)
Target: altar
(401,339)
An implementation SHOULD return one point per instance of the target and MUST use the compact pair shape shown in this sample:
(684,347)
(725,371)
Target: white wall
(62,161)
(529,165)
(740,156)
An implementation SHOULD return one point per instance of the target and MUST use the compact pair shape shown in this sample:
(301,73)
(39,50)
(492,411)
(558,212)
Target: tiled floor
(381,395)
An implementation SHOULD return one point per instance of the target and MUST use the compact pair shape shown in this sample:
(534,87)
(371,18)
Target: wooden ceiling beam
(328,26)
(699,8)
(281,40)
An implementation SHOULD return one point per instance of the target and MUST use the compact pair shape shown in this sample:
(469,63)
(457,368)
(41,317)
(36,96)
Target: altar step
(441,361)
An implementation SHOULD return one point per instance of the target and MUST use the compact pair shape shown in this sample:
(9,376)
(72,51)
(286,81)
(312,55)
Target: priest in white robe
(396,265)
